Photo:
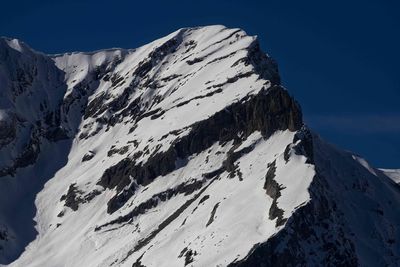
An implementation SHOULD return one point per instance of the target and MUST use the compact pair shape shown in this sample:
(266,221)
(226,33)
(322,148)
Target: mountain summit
(183,152)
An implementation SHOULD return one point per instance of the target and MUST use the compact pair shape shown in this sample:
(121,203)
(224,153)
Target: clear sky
(340,59)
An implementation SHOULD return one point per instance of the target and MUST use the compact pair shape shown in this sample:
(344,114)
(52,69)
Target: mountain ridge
(155,151)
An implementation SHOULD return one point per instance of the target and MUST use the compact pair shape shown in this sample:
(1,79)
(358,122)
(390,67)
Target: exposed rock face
(8,125)
(273,189)
(315,235)
(184,152)
(184,188)
(88,156)
(29,110)
(266,112)
(321,233)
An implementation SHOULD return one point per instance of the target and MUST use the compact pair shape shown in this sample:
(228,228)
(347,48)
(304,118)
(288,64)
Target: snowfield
(183,152)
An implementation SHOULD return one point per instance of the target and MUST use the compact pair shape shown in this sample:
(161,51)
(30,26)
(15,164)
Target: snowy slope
(394,174)
(186,151)
(351,220)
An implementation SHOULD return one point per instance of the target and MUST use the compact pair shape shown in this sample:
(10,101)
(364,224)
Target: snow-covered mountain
(184,152)
(394,174)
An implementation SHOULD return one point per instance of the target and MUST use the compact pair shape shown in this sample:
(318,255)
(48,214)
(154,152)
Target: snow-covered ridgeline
(186,151)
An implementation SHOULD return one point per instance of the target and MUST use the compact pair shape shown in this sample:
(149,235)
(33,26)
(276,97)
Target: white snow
(241,218)
(200,90)
(394,174)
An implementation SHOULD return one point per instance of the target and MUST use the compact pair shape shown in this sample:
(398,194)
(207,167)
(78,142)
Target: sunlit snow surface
(197,78)
(186,93)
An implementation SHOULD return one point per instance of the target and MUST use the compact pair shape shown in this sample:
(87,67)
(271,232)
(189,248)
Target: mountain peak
(15,44)
(184,151)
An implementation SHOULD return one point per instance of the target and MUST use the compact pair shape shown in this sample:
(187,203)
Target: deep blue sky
(340,59)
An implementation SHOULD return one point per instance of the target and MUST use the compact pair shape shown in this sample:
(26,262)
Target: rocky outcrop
(186,188)
(212,215)
(75,197)
(188,254)
(273,189)
(88,156)
(143,242)
(27,157)
(141,78)
(268,111)
(315,235)
(163,153)
(8,128)
(265,66)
